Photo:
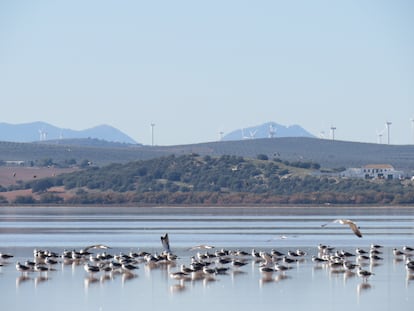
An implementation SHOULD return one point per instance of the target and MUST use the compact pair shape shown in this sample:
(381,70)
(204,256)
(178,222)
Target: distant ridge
(326,152)
(268,130)
(42,131)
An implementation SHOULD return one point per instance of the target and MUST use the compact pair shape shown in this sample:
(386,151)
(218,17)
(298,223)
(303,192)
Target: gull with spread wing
(354,227)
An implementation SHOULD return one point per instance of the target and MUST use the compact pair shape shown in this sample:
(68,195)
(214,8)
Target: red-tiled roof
(379,166)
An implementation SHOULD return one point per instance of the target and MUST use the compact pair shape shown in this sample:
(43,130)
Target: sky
(198,68)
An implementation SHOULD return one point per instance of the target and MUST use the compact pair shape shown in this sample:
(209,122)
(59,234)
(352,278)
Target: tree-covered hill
(197,179)
(328,153)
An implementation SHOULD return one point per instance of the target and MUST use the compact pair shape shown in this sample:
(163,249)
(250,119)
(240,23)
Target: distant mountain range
(268,130)
(45,132)
(41,131)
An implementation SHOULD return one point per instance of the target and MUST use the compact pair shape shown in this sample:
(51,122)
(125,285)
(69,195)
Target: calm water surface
(150,287)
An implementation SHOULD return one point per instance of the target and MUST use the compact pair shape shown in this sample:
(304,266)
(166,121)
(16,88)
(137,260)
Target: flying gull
(95,246)
(348,222)
(166,243)
(202,246)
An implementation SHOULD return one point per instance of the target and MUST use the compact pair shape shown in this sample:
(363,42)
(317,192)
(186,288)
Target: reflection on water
(157,284)
(129,228)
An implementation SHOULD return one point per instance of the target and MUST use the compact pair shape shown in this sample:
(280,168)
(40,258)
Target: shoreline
(257,210)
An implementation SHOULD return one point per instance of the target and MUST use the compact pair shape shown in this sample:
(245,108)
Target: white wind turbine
(379,136)
(412,127)
(272,131)
(42,134)
(322,134)
(388,124)
(221,135)
(152,133)
(253,134)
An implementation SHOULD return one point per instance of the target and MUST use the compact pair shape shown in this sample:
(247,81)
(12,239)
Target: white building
(373,171)
(14,163)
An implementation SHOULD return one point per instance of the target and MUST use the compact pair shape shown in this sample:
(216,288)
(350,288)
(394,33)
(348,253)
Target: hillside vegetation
(207,180)
(328,153)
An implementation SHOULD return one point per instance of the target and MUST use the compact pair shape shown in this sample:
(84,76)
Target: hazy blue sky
(195,68)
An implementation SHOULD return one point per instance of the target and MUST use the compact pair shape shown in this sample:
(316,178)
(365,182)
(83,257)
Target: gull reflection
(127,276)
(363,287)
(40,279)
(318,268)
(336,273)
(349,275)
(178,287)
(409,278)
(235,273)
(208,279)
(106,277)
(267,277)
(281,277)
(151,266)
(21,279)
(89,280)
(374,264)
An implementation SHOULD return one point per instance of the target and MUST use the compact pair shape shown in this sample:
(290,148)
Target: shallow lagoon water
(139,229)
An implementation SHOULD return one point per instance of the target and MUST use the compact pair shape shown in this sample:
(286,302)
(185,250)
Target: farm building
(373,171)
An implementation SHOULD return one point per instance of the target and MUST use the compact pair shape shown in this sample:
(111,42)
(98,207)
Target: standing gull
(408,249)
(4,256)
(364,274)
(22,268)
(91,268)
(348,222)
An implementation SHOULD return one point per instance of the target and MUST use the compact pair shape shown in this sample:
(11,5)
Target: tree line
(205,180)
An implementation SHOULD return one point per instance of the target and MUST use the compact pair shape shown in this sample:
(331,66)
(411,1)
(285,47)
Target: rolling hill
(328,153)
(41,131)
(204,180)
(267,130)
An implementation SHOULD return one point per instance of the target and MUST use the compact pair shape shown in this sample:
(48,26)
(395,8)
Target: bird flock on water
(207,263)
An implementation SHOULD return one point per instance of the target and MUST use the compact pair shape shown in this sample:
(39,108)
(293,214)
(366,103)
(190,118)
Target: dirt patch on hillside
(11,175)
(11,196)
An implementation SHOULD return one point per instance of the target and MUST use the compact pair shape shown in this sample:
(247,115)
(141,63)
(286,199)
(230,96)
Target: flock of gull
(207,263)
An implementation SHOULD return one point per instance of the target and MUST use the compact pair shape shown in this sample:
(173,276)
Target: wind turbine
(152,133)
(412,127)
(322,134)
(272,131)
(221,133)
(43,134)
(333,128)
(379,135)
(387,124)
(252,134)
